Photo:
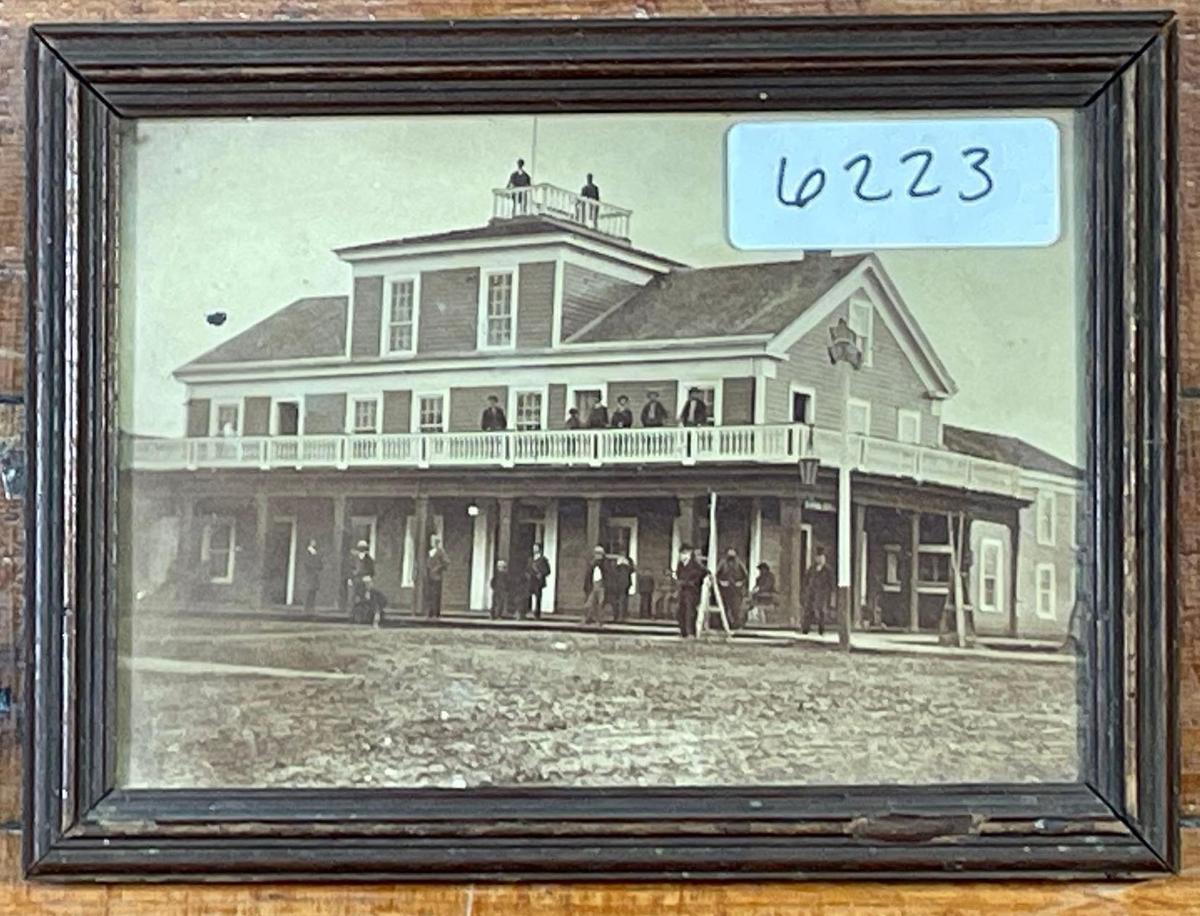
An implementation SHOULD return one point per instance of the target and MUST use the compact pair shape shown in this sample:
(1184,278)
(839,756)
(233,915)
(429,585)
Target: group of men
(519,592)
(694,413)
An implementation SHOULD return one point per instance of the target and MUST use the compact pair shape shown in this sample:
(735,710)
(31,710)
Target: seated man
(763,595)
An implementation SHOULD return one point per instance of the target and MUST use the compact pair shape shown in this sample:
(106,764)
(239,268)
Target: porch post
(755,556)
(550,552)
(593,523)
(687,521)
(1014,570)
(420,552)
(260,543)
(480,574)
(338,552)
(504,535)
(860,565)
(184,567)
(791,559)
(914,573)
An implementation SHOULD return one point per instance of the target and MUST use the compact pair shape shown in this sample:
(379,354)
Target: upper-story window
(499,313)
(862,323)
(227,419)
(529,409)
(366,415)
(908,426)
(858,417)
(803,405)
(431,413)
(1046,509)
(402,316)
(1047,598)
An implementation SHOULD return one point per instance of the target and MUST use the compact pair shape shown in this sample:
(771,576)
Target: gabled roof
(741,299)
(1007,449)
(516,227)
(311,327)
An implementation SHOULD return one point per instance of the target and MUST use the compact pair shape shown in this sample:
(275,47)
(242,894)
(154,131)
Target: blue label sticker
(947,183)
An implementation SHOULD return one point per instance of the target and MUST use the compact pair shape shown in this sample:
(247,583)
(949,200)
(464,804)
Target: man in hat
(818,591)
(598,416)
(689,579)
(595,582)
(732,577)
(622,417)
(436,565)
(493,418)
(653,412)
(695,411)
(362,573)
(313,562)
(520,181)
(763,594)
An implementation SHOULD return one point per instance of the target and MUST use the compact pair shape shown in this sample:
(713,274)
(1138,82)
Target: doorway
(279,564)
(287,418)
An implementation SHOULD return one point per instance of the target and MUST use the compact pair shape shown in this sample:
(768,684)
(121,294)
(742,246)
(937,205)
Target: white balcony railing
(551,200)
(672,445)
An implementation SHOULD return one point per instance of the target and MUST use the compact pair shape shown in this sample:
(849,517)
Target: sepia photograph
(471,451)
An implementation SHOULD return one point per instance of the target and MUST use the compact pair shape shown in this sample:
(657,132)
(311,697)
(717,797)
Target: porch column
(860,565)
(687,522)
(914,573)
(260,544)
(791,559)
(550,552)
(593,523)
(184,565)
(1014,571)
(338,552)
(755,556)
(420,551)
(481,534)
(504,531)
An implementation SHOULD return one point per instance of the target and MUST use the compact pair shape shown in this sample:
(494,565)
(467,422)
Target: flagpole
(533,150)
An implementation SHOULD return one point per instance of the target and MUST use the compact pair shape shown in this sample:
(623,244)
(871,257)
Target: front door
(279,562)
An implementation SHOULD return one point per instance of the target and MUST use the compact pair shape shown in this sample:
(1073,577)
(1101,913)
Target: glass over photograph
(469,451)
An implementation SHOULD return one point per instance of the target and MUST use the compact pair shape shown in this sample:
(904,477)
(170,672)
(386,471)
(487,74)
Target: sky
(241,216)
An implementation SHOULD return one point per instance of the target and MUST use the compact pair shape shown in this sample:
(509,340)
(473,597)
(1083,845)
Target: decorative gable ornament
(844,345)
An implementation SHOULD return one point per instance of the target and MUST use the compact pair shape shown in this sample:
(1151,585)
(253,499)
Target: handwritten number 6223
(814,182)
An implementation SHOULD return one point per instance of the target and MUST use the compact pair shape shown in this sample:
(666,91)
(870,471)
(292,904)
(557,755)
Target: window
(991,575)
(498,311)
(227,419)
(858,416)
(218,545)
(1046,591)
(908,426)
(862,321)
(437,525)
(366,415)
(401,323)
(431,413)
(1045,517)
(933,567)
(803,400)
(528,410)
(709,394)
(891,567)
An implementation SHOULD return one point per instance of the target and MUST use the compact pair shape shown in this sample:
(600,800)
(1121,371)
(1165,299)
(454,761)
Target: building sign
(946,182)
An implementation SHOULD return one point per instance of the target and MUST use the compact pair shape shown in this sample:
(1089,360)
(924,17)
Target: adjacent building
(357,417)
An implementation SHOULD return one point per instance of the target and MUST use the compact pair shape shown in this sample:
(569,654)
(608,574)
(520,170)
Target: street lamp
(845,352)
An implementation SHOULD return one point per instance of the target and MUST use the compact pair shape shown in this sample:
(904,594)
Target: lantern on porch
(807,468)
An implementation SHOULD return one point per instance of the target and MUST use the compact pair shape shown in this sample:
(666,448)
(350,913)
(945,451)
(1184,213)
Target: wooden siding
(397,411)
(197,422)
(367,315)
(324,413)
(257,421)
(737,401)
(890,384)
(448,321)
(467,404)
(535,304)
(587,294)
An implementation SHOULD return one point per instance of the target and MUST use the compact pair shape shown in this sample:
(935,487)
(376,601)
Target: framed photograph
(716,449)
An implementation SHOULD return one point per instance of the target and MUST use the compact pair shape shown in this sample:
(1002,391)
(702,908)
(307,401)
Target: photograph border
(1120,820)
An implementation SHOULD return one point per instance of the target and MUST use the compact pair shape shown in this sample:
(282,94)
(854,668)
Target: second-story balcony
(583,448)
(550,200)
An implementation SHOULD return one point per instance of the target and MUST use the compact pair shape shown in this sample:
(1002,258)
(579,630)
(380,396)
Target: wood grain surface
(1181,894)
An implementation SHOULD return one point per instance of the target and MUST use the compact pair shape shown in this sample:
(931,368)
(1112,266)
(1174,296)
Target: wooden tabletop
(1178,894)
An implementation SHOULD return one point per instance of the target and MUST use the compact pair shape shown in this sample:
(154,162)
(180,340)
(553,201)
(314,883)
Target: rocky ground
(234,702)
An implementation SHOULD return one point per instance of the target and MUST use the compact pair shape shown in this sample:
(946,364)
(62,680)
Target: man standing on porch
(435,570)
(593,588)
(536,574)
(653,412)
(818,589)
(689,578)
(313,561)
(732,577)
(493,418)
(695,411)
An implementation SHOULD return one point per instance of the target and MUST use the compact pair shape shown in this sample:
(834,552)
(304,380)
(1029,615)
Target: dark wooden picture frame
(1120,820)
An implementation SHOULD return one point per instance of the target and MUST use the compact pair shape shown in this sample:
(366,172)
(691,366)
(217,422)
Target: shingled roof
(742,299)
(313,326)
(503,228)
(1007,449)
